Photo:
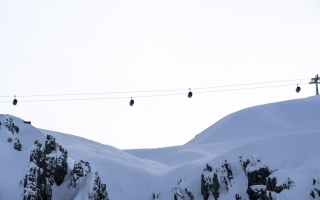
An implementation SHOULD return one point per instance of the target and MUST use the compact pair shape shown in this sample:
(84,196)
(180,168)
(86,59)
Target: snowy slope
(273,147)
(262,121)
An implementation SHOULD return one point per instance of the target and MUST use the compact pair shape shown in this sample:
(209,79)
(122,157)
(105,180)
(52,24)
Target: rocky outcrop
(259,176)
(189,193)
(239,197)
(177,195)
(155,196)
(315,191)
(271,185)
(258,193)
(182,191)
(261,182)
(264,191)
(48,165)
(211,180)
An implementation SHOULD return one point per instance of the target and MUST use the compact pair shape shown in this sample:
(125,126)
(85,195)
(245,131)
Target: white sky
(76,46)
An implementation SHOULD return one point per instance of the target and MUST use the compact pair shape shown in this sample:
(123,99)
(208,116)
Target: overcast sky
(100,46)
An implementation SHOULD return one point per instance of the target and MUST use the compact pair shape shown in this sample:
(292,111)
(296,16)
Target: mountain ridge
(280,117)
(214,165)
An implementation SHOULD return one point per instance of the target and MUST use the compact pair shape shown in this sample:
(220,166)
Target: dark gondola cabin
(298,89)
(15,101)
(131,102)
(190,94)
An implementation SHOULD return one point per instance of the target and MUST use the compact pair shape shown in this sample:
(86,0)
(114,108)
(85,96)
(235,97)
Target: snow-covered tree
(61,169)
(80,169)
(11,126)
(99,190)
(51,161)
(17,145)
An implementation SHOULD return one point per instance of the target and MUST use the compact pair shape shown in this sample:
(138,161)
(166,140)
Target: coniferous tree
(17,145)
(216,186)
(61,167)
(99,190)
(49,169)
(11,126)
(80,169)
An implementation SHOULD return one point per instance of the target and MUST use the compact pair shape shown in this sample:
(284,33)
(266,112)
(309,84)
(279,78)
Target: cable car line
(154,95)
(251,84)
(154,91)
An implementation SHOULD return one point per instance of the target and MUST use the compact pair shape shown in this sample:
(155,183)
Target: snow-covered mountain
(264,152)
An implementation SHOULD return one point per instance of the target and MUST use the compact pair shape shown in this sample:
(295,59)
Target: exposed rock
(177,194)
(208,168)
(258,177)
(216,187)
(244,163)
(190,195)
(155,196)
(272,185)
(261,183)
(256,193)
(210,186)
(315,191)
(227,166)
(227,175)
(239,197)
(215,181)
(205,186)
(264,195)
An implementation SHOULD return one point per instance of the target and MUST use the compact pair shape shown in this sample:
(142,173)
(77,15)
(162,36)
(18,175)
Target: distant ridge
(292,116)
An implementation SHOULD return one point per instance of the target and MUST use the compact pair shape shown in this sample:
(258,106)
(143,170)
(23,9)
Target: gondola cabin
(298,89)
(131,102)
(190,94)
(15,101)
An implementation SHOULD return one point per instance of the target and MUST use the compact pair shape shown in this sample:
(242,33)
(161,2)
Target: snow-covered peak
(293,116)
(11,129)
(264,152)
